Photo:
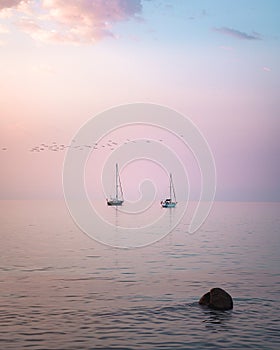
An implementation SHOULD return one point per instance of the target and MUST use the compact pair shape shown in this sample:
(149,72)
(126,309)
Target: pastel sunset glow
(216,62)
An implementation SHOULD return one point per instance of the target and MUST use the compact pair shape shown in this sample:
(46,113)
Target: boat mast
(170,182)
(173,188)
(120,185)
(117,176)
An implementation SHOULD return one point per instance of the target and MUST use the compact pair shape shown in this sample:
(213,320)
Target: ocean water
(62,290)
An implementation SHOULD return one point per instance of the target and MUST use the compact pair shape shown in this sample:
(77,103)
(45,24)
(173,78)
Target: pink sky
(63,62)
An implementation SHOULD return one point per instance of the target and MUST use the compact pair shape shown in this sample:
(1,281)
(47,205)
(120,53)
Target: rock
(217,299)
(205,299)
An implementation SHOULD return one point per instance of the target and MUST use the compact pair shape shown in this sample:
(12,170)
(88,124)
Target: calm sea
(62,290)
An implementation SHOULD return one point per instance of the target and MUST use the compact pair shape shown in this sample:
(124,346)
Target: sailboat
(118,199)
(171,201)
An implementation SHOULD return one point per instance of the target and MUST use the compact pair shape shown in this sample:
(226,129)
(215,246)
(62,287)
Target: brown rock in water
(205,299)
(217,299)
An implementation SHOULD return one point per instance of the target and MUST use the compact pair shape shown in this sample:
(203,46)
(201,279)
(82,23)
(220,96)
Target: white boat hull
(114,202)
(168,204)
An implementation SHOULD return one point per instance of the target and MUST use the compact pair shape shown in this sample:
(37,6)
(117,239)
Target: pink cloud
(83,21)
(91,12)
(28,25)
(226,48)
(4,4)
(266,69)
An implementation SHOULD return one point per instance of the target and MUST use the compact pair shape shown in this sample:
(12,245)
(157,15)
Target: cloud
(83,21)
(226,48)
(4,4)
(237,34)
(266,69)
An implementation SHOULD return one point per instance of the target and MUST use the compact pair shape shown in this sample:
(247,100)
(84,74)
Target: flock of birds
(56,147)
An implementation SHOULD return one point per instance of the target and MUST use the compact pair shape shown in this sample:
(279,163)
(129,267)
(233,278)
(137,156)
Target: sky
(214,61)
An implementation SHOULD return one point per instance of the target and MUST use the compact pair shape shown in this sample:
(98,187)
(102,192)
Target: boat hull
(168,204)
(114,202)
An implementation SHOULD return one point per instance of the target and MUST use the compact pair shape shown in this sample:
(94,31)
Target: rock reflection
(215,317)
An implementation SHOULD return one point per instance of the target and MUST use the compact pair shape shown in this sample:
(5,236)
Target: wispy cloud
(266,69)
(226,48)
(84,21)
(238,34)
